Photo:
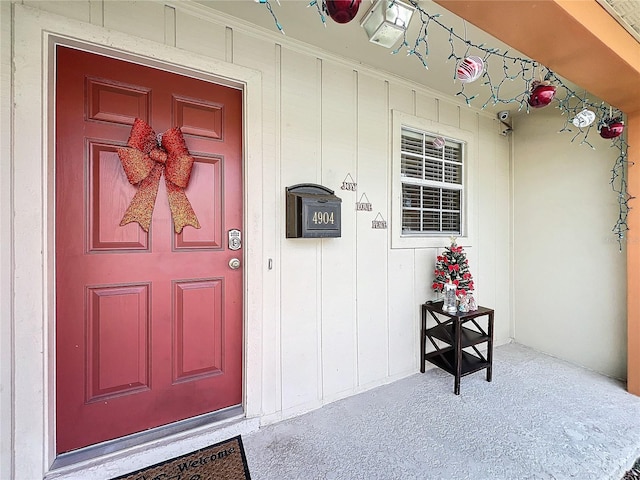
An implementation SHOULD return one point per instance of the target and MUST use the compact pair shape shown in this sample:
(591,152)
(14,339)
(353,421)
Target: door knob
(234,263)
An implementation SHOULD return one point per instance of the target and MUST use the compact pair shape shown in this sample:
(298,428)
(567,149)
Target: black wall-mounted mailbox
(313,211)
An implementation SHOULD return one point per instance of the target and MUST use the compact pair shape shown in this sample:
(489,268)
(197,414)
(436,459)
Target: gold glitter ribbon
(144,161)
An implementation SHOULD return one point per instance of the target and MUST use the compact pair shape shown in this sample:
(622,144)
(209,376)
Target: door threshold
(119,444)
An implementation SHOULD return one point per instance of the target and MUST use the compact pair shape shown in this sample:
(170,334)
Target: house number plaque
(313,211)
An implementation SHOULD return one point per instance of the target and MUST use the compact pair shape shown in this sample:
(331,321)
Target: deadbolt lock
(235,239)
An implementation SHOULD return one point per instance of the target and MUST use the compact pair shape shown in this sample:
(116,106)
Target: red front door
(148,325)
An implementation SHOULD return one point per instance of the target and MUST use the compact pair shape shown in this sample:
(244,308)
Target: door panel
(205,193)
(148,325)
(198,329)
(108,196)
(117,335)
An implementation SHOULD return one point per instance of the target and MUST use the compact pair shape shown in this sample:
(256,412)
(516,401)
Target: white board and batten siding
(339,315)
(345,312)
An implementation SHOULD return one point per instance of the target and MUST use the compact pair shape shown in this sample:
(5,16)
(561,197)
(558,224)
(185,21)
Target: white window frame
(469,149)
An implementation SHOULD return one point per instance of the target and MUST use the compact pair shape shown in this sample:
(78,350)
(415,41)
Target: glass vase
(450,301)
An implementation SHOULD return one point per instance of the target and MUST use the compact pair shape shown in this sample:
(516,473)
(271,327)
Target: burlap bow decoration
(143,161)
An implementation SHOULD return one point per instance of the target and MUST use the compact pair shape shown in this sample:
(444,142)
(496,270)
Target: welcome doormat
(222,461)
(634,473)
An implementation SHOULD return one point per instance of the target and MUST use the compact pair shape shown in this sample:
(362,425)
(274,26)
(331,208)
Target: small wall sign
(349,183)
(379,222)
(364,205)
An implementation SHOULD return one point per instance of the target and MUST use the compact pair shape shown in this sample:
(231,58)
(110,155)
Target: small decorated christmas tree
(453,266)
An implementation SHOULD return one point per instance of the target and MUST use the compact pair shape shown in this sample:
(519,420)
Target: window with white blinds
(432,184)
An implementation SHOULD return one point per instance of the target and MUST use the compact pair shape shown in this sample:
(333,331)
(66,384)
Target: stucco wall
(338,315)
(570,277)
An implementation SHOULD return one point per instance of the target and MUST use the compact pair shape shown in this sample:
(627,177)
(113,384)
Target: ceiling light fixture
(386,21)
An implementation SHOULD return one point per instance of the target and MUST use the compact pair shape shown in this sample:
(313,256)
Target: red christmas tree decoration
(453,266)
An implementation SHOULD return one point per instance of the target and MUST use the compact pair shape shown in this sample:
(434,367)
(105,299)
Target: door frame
(33,235)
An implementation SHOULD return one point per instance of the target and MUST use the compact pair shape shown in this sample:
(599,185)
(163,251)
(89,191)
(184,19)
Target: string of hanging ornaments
(540,85)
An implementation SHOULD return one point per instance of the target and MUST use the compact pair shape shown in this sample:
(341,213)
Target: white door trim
(32,165)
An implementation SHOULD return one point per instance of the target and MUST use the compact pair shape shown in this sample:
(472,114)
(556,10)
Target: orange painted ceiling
(577,39)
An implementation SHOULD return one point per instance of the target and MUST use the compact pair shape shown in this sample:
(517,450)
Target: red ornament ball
(343,11)
(612,130)
(542,95)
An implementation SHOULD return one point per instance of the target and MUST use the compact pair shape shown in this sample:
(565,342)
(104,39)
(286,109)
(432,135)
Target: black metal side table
(450,337)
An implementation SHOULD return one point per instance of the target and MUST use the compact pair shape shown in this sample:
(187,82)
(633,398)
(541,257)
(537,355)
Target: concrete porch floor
(540,418)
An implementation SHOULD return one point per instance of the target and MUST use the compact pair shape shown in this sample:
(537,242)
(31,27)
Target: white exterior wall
(6,403)
(570,282)
(346,311)
(333,317)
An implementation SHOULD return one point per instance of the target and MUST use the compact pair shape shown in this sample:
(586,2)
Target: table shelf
(450,330)
(445,359)
(468,337)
